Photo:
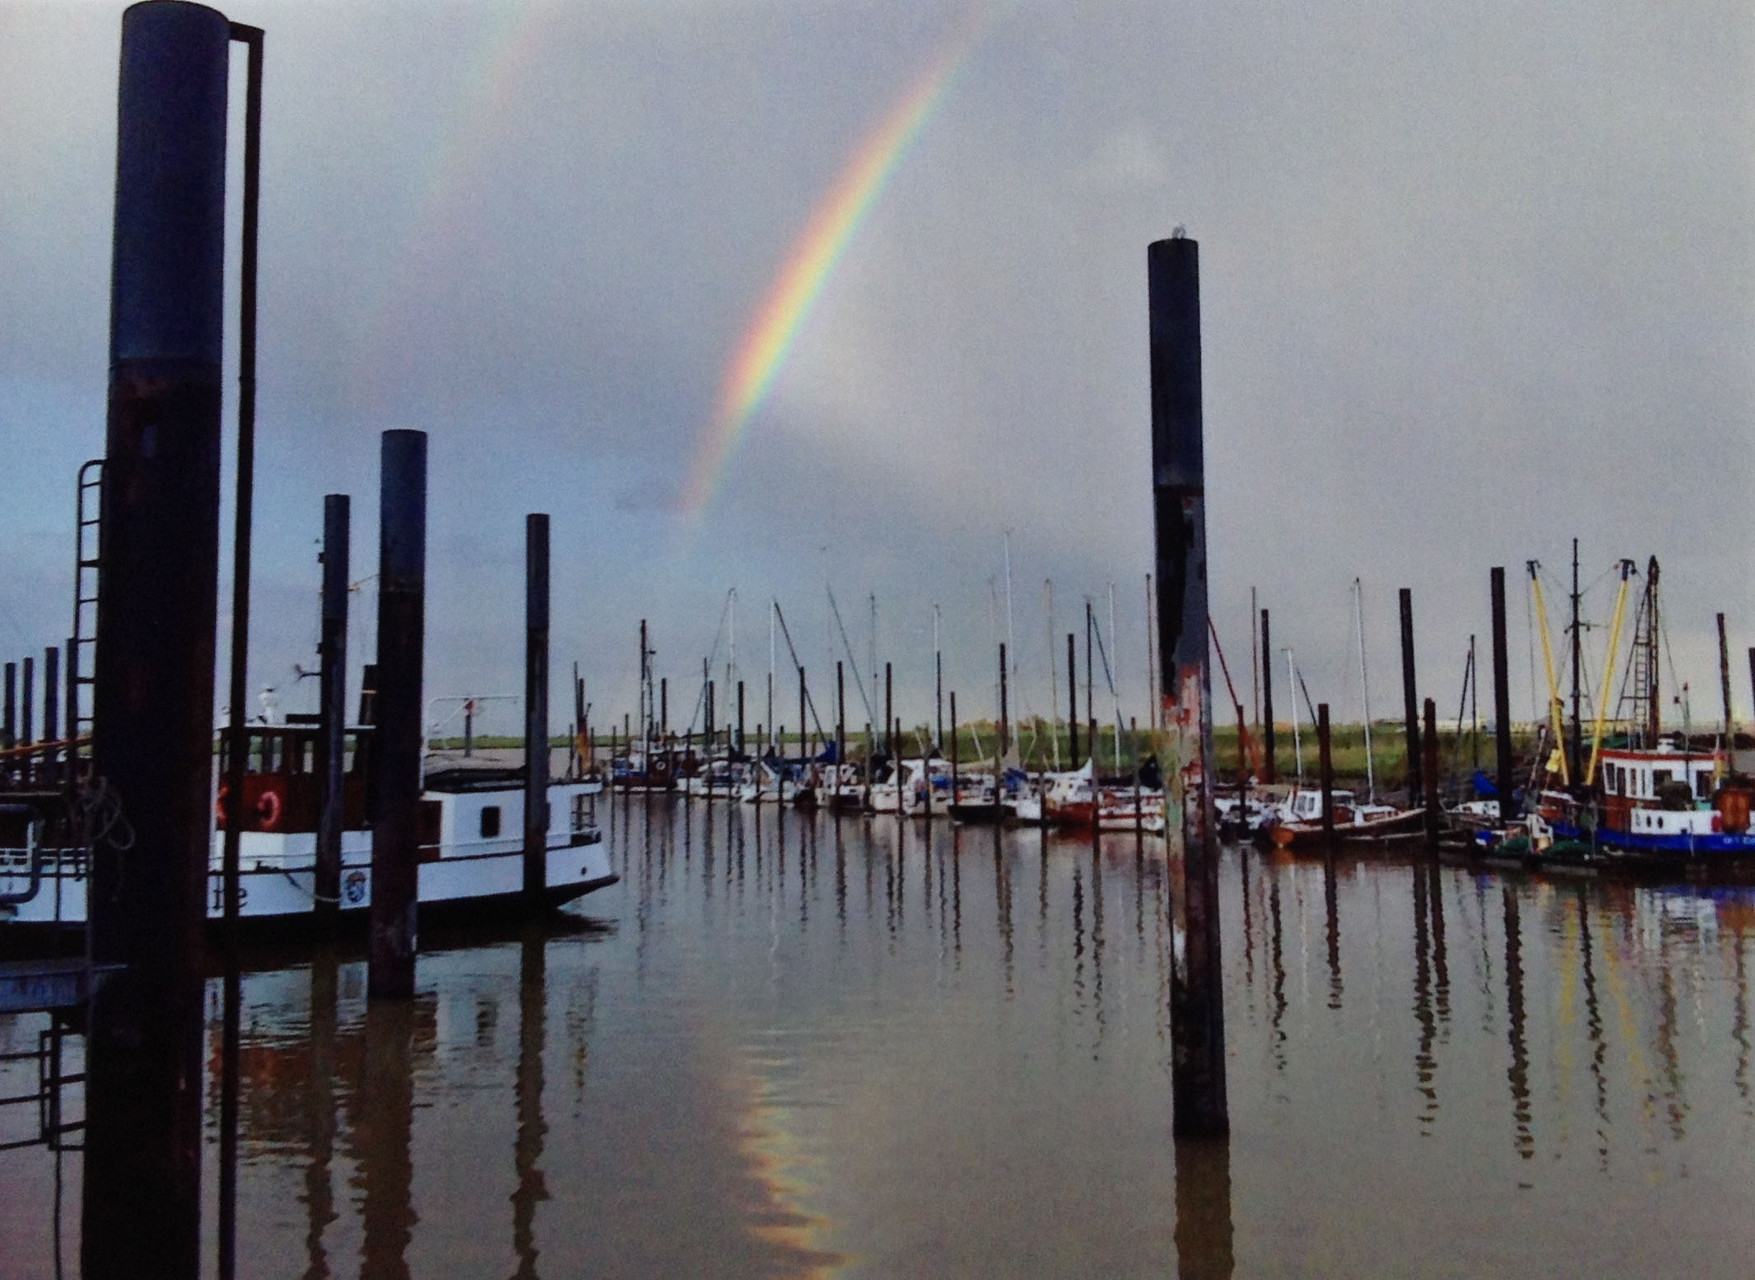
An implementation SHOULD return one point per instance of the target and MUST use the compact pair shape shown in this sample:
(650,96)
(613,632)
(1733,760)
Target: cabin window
(1703,783)
(1609,779)
(490,821)
(1658,778)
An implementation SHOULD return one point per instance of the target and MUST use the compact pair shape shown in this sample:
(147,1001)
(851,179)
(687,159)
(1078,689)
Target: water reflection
(968,1071)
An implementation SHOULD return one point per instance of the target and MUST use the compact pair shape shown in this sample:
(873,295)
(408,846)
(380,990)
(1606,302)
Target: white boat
(471,857)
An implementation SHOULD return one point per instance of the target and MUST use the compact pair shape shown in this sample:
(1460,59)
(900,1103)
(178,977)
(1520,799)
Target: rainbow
(762,352)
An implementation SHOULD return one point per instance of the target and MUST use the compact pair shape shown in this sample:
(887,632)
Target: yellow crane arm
(1555,707)
(1596,737)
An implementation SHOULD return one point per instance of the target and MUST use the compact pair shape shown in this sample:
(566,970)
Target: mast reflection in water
(788,1046)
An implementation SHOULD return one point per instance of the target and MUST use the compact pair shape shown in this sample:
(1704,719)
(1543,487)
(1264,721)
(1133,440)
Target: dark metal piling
(1267,704)
(1005,726)
(154,665)
(536,602)
(1325,772)
(1434,807)
(1410,702)
(889,706)
(50,758)
(402,530)
(1724,682)
(9,722)
(1072,699)
(1502,698)
(332,708)
(1197,1015)
(740,734)
(956,753)
(27,718)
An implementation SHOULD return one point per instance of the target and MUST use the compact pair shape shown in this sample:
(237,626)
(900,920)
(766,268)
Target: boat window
(1703,783)
(490,821)
(1658,778)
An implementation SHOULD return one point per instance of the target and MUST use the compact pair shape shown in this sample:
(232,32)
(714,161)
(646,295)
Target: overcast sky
(1475,280)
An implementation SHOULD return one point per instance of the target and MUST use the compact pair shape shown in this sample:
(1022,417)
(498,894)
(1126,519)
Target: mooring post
(840,715)
(154,664)
(9,724)
(27,717)
(1326,772)
(536,818)
(47,765)
(331,755)
(1410,701)
(1502,699)
(70,716)
(740,734)
(889,708)
(1724,683)
(1072,699)
(1005,726)
(1267,704)
(1197,1011)
(402,571)
(1434,805)
(956,755)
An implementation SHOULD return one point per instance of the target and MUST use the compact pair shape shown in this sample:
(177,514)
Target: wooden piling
(402,520)
(1326,773)
(1410,702)
(1197,1017)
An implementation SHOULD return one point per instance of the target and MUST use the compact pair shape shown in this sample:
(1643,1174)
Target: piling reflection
(531,1189)
(1203,1210)
(382,1130)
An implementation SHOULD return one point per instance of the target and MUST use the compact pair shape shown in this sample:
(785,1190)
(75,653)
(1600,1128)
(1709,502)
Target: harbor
(807,1047)
(713,646)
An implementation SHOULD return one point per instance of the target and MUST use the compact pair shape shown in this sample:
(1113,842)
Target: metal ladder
(82,644)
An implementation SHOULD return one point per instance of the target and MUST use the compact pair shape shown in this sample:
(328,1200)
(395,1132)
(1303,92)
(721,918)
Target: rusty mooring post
(1267,704)
(154,666)
(331,754)
(1326,772)
(535,710)
(1197,1009)
(402,575)
(1502,699)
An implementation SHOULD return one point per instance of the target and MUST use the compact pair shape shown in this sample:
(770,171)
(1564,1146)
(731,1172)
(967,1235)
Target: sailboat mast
(1152,667)
(938,676)
(1364,691)
(1115,675)
(1577,724)
(772,606)
(1011,640)
(1297,742)
(1053,677)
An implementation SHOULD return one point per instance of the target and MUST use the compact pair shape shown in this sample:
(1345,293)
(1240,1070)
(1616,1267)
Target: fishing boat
(471,844)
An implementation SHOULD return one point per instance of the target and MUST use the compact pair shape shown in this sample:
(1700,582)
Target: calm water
(813,1048)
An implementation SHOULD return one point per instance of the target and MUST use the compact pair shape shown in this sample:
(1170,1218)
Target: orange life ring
(268,809)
